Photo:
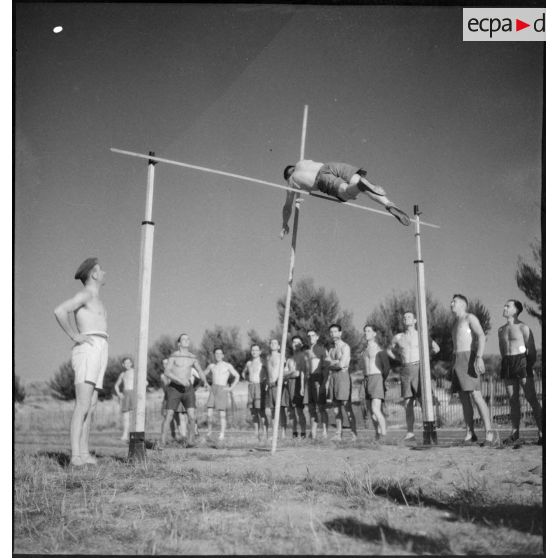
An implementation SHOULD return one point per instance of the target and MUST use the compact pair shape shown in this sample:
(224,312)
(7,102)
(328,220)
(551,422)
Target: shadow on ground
(383,534)
(471,505)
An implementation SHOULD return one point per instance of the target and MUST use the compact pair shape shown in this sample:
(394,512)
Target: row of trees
(316,308)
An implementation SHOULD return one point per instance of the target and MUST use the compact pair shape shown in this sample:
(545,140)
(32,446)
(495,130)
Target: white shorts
(90,361)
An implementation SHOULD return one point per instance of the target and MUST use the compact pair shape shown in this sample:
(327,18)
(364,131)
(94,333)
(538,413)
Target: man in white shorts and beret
(84,319)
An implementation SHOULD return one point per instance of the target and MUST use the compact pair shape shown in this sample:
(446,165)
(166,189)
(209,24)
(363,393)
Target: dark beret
(83,270)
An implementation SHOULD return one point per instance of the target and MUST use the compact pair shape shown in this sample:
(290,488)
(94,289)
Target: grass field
(311,497)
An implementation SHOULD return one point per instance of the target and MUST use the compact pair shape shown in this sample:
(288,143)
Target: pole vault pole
(298,201)
(136,450)
(429,428)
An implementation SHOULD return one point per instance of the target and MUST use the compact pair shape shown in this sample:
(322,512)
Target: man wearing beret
(84,319)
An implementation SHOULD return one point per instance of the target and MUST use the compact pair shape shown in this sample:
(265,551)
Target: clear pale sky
(454,127)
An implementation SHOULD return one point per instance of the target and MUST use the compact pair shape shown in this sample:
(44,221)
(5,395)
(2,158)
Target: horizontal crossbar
(264,182)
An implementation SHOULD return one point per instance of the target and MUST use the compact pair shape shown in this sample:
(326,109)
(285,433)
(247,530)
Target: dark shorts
(256,395)
(177,394)
(373,387)
(463,376)
(218,398)
(332,176)
(294,388)
(340,386)
(127,403)
(515,367)
(410,382)
(316,391)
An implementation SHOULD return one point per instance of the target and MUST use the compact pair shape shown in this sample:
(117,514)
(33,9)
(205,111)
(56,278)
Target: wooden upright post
(298,201)
(136,450)
(429,425)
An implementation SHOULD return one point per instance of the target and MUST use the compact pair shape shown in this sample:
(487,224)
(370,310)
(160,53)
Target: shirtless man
(468,365)
(517,347)
(181,387)
(338,359)
(219,391)
(345,182)
(317,384)
(255,371)
(126,395)
(405,348)
(296,372)
(84,319)
(179,421)
(376,369)
(273,363)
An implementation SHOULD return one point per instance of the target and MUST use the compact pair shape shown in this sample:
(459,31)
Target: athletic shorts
(90,361)
(515,367)
(218,398)
(340,386)
(256,395)
(286,394)
(296,399)
(373,387)
(316,391)
(127,403)
(177,394)
(410,382)
(332,176)
(463,376)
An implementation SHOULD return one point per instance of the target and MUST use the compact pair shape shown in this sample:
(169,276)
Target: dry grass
(178,503)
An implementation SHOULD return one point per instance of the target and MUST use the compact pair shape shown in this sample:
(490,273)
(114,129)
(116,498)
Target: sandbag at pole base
(429,434)
(136,450)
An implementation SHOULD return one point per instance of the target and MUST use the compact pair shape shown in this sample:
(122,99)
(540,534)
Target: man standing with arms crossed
(84,319)
(519,354)
(338,358)
(181,387)
(317,385)
(406,347)
(468,347)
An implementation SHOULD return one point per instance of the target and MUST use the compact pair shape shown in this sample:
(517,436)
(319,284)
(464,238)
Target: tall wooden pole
(136,450)
(298,201)
(429,426)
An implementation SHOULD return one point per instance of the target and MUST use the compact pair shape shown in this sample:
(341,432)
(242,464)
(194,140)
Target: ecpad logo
(504,24)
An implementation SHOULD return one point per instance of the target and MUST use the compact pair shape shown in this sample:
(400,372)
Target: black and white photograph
(279,278)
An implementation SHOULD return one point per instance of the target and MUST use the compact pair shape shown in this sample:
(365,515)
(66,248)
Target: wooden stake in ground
(136,450)
(298,201)
(429,426)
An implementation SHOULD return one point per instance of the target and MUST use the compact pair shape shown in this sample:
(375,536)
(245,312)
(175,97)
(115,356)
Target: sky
(453,126)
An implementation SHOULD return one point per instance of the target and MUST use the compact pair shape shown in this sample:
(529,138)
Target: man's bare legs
(191,412)
(528,385)
(125,425)
(410,417)
(379,417)
(86,400)
(338,410)
(299,414)
(223,421)
(476,396)
(169,416)
(376,193)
